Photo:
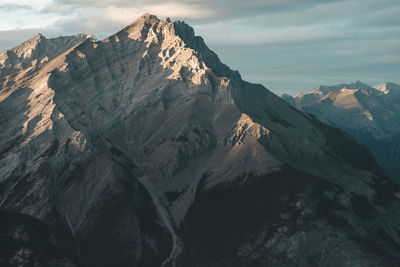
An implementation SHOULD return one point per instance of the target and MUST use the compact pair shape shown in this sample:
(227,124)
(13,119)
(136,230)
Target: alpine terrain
(143,149)
(370,114)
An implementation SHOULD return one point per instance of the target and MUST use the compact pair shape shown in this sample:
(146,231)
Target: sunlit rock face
(36,51)
(370,114)
(145,150)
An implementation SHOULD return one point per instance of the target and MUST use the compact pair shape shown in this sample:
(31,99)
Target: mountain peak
(382,87)
(357,85)
(171,37)
(33,41)
(324,89)
(147,16)
(38,36)
(143,27)
(148,23)
(36,51)
(387,87)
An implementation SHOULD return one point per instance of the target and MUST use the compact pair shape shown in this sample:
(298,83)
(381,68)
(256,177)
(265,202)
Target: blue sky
(287,45)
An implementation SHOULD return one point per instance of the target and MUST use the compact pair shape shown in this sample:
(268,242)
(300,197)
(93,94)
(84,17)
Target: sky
(287,45)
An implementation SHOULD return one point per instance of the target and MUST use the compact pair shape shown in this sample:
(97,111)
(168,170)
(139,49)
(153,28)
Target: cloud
(196,9)
(58,9)
(391,59)
(14,7)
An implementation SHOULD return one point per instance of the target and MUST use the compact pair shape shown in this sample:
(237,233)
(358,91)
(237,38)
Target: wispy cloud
(59,9)
(13,7)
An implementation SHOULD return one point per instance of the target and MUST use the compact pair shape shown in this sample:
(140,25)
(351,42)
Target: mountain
(35,51)
(388,88)
(26,241)
(143,149)
(370,114)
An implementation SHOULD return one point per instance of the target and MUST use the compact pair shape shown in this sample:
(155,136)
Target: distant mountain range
(369,114)
(144,149)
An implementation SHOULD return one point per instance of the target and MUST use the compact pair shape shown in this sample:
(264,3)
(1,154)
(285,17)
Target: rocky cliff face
(148,151)
(369,114)
(36,51)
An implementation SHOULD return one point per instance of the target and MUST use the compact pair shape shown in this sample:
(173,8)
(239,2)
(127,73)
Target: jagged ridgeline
(370,114)
(145,150)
